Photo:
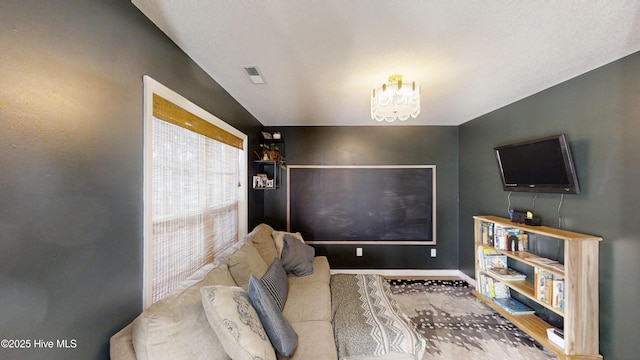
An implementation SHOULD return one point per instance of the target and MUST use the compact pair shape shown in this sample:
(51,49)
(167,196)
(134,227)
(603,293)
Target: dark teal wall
(71,172)
(397,145)
(600,113)
(71,166)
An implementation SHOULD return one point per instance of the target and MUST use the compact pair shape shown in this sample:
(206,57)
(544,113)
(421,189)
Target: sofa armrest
(121,345)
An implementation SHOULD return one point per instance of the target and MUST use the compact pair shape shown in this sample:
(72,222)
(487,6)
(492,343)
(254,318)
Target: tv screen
(542,165)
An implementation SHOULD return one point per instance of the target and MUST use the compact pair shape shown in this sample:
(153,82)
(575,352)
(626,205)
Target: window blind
(175,114)
(195,202)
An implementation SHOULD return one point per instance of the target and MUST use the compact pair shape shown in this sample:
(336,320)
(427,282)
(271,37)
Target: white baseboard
(408,273)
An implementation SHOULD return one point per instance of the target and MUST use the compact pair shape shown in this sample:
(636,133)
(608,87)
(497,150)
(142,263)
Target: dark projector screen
(362,204)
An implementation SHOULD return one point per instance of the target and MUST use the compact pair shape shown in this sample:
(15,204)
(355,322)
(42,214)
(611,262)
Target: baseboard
(408,273)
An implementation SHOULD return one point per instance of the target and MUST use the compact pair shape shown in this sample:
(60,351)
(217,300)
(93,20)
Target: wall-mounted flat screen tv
(542,165)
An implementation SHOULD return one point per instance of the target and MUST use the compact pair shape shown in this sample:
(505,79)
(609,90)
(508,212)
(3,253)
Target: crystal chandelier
(395,100)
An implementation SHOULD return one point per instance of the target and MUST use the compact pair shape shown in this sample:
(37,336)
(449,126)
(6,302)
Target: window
(195,197)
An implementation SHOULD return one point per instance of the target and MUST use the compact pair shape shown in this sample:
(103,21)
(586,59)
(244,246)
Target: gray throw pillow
(275,281)
(297,257)
(278,239)
(280,332)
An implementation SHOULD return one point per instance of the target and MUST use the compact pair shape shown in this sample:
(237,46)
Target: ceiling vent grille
(254,74)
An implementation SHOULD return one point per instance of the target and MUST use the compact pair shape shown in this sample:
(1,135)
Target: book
(495,261)
(486,250)
(489,289)
(523,242)
(487,233)
(483,253)
(556,266)
(543,285)
(506,273)
(492,288)
(513,306)
(556,336)
(542,261)
(500,290)
(484,231)
(558,293)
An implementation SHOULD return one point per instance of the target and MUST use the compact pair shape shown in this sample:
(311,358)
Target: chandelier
(395,100)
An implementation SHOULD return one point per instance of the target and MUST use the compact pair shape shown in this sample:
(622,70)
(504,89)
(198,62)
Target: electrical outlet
(433,252)
(358,251)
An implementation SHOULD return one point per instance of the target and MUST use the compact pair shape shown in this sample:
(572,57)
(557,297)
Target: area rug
(456,326)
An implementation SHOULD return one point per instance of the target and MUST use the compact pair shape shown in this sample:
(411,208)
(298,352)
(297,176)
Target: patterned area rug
(456,326)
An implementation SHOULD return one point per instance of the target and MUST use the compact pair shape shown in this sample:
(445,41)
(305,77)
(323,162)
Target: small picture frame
(260,181)
(267,135)
(269,184)
(256,182)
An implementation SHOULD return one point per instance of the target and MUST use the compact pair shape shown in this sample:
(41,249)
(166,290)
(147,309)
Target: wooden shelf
(273,151)
(541,230)
(536,327)
(527,258)
(525,288)
(272,170)
(580,275)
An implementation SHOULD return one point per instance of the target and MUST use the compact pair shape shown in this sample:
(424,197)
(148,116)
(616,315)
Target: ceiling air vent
(254,74)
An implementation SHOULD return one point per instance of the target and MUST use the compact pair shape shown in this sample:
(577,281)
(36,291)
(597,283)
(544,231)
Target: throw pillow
(236,323)
(278,239)
(262,239)
(244,262)
(176,327)
(282,336)
(297,257)
(275,281)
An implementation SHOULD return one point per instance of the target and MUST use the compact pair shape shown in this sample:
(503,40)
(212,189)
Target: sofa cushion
(282,336)
(297,257)
(261,238)
(176,327)
(244,262)
(121,345)
(308,302)
(315,341)
(236,323)
(321,273)
(278,239)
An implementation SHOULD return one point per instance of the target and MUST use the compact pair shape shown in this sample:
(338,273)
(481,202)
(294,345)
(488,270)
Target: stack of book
(506,273)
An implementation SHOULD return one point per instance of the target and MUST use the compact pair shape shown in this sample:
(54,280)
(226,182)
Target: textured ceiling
(320,59)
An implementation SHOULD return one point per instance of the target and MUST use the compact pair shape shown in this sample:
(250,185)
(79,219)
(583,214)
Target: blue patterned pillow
(297,257)
(275,280)
(280,332)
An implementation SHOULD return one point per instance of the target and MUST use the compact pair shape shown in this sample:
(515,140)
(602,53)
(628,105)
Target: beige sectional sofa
(177,326)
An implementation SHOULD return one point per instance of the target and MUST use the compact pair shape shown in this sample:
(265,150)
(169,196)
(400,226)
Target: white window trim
(151,87)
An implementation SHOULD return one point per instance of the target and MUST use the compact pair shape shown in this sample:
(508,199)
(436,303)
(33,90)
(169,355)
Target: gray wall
(600,113)
(71,166)
(403,145)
